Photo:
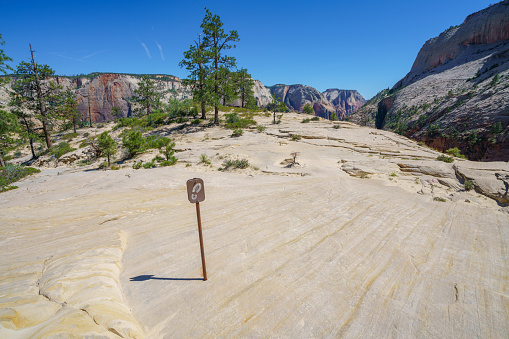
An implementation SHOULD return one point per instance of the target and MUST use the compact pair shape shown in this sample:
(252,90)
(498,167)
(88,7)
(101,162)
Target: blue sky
(362,45)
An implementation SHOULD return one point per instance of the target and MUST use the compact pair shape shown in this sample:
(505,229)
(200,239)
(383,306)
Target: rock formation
(341,102)
(367,236)
(100,92)
(456,94)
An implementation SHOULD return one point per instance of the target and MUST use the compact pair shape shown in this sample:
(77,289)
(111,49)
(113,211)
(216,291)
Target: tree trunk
(2,163)
(42,104)
(203,111)
(32,148)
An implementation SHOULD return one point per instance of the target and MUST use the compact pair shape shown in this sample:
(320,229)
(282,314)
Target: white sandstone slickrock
(302,251)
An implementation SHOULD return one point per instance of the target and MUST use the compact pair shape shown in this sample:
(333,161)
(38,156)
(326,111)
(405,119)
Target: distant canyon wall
(341,102)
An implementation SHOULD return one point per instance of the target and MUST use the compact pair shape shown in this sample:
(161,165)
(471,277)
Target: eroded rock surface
(368,236)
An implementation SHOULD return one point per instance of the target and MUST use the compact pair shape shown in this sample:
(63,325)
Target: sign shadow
(151,277)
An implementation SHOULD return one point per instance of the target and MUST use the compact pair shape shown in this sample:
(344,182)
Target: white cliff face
(366,227)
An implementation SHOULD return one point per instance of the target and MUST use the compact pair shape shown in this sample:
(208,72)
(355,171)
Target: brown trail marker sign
(195,194)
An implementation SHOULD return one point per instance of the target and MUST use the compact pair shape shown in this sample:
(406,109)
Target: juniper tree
(8,126)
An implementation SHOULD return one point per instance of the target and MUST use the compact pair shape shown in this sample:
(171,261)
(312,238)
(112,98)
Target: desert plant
(260,128)
(133,142)
(304,121)
(12,173)
(69,136)
(137,165)
(170,162)
(439,199)
(61,149)
(315,119)
(204,159)
(445,158)
(158,158)
(236,163)
(334,116)
(148,165)
(308,109)
(455,152)
(468,185)
(165,146)
(237,132)
(336,126)
(295,137)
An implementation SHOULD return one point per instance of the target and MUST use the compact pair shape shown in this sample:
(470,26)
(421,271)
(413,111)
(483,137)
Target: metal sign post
(195,194)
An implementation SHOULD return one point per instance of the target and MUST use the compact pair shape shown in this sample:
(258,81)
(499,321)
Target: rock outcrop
(341,102)
(98,93)
(456,94)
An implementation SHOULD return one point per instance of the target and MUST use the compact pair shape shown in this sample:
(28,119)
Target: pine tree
(8,126)
(107,145)
(68,108)
(215,42)
(35,92)
(147,96)
(195,62)
(244,83)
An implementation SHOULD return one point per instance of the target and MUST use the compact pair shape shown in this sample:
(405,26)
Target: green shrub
(86,134)
(158,158)
(237,163)
(69,136)
(336,126)
(496,128)
(260,128)
(439,199)
(305,121)
(115,167)
(133,142)
(334,117)
(165,146)
(148,165)
(468,185)
(455,152)
(295,137)
(196,122)
(103,165)
(308,109)
(170,162)
(137,165)
(315,119)
(204,159)
(445,158)
(237,132)
(61,149)
(12,173)
(234,121)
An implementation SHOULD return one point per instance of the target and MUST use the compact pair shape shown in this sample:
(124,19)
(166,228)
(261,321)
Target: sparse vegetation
(61,149)
(305,121)
(148,165)
(204,159)
(260,128)
(133,142)
(455,152)
(295,137)
(235,163)
(445,158)
(237,132)
(468,185)
(12,173)
(439,199)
